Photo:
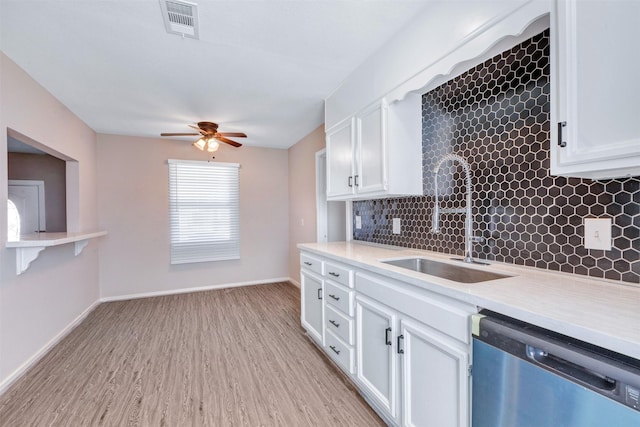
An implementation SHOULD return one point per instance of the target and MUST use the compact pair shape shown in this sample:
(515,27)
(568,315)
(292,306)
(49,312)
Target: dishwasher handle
(557,364)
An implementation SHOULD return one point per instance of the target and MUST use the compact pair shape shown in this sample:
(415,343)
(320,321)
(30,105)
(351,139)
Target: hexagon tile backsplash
(496,116)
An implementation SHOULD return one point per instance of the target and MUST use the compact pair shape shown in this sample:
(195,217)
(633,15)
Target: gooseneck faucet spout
(468,223)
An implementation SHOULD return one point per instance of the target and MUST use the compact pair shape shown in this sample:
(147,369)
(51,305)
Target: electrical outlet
(597,233)
(358,222)
(396,226)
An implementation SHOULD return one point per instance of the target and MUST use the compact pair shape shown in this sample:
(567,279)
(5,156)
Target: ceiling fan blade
(202,132)
(236,134)
(228,141)
(178,134)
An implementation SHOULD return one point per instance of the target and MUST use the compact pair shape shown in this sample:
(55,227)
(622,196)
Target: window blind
(204,211)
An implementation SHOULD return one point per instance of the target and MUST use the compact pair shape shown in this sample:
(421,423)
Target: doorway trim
(322,232)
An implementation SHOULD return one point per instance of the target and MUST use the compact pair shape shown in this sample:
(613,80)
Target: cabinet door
(596,89)
(311,305)
(340,146)
(371,175)
(375,347)
(435,382)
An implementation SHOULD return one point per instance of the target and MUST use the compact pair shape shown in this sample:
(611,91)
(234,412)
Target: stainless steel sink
(444,270)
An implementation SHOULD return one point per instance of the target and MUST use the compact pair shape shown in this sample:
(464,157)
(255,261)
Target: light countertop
(52,239)
(604,313)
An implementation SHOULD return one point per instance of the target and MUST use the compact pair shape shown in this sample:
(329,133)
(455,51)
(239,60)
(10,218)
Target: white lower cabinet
(376,363)
(406,348)
(435,382)
(414,374)
(311,310)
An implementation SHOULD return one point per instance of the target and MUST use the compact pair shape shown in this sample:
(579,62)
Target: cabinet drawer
(311,263)
(339,274)
(340,352)
(339,324)
(339,297)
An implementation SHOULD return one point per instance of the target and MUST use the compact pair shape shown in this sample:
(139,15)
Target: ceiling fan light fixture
(200,144)
(212,145)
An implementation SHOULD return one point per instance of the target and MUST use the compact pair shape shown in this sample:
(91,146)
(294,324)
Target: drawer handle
(319,293)
(331,273)
(334,297)
(308,263)
(334,323)
(334,349)
(400,350)
(387,341)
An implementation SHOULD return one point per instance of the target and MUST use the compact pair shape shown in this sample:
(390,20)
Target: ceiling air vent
(180,17)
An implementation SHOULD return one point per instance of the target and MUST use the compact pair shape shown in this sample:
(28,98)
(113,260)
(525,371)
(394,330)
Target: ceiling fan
(209,136)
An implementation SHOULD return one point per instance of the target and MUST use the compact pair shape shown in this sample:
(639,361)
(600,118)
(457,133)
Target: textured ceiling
(260,67)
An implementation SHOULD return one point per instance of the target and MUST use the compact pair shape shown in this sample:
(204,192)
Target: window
(204,206)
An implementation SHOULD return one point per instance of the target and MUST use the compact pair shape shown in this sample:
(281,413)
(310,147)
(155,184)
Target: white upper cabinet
(340,160)
(377,153)
(595,110)
(371,152)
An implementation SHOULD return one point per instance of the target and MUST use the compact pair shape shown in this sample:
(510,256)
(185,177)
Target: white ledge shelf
(29,246)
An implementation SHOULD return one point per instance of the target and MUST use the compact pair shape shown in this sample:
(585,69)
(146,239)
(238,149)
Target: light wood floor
(233,357)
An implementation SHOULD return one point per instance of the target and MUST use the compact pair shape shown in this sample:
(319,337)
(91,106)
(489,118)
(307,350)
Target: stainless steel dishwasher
(525,376)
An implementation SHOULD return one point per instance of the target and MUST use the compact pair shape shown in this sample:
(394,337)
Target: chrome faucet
(469,238)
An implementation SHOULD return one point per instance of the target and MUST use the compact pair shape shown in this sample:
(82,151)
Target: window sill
(29,246)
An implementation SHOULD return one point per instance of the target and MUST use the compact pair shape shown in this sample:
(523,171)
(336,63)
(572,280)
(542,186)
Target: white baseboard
(196,289)
(294,282)
(22,369)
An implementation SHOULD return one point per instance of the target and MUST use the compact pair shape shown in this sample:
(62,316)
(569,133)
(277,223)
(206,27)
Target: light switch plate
(396,226)
(597,233)
(358,222)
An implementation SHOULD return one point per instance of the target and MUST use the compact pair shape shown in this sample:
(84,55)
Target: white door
(340,148)
(596,80)
(311,310)
(372,172)
(28,197)
(376,357)
(435,382)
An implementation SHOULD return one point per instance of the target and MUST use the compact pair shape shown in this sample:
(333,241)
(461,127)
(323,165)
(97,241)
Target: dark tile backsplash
(496,116)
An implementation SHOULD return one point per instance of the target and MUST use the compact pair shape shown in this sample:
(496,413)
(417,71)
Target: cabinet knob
(334,297)
(319,293)
(334,349)
(308,263)
(400,349)
(350,184)
(331,273)
(334,323)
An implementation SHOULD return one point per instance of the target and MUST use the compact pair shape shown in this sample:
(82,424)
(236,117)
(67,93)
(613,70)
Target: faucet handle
(477,239)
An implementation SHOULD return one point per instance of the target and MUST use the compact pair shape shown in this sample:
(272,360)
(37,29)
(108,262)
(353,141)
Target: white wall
(133,202)
(58,286)
(302,195)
